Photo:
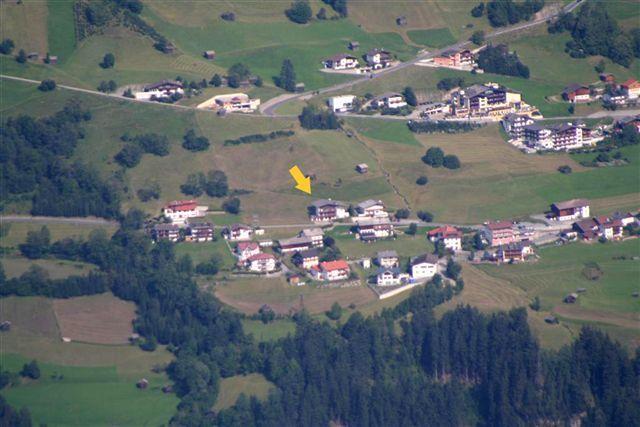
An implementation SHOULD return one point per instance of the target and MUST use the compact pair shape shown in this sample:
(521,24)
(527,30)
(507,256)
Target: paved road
(58,220)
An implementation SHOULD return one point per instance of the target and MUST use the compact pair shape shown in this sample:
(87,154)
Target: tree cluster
(435,157)
(107,86)
(498,60)
(47,85)
(136,146)
(287,78)
(340,6)
(192,142)
(314,118)
(507,12)
(35,162)
(214,184)
(300,12)
(259,137)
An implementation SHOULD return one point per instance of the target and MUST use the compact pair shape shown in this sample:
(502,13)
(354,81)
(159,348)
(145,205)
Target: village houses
(261,263)
(238,232)
(316,235)
(631,88)
(500,233)
(160,90)
(307,259)
(232,103)
(169,232)
(389,100)
(294,244)
(599,227)
(342,103)
(179,211)
(378,58)
(341,61)
(558,137)
(489,101)
(391,276)
(388,259)
(576,93)
(245,250)
(331,271)
(515,124)
(199,232)
(328,210)
(513,252)
(450,237)
(370,231)
(570,210)
(424,266)
(371,209)
(455,59)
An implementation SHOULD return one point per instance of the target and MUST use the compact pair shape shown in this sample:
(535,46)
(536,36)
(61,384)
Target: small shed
(362,168)
(53,60)
(401,20)
(571,298)
(366,263)
(33,56)
(300,87)
(167,389)
(5,326)
(142,384)
(552,320)
(354,45)
(209,54)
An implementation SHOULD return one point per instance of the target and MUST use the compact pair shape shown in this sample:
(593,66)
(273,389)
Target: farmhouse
(500,233)
(261,263)
(388,259)
(625,219)
(562,136)
(245,250)
(362,168)
(199,232)
(424,266)
(371,209)
(391,276)
(316,235)
(587,229)
(331,271)
(512,252)
(434,109)
(328,210)
(238,232)
(631,88)
(159,90)
(514,125)
(233,102)
(341,61)
(295,244)
(455,59)
(576,93)
(450,237)
(390,100)
(342,103)
(372,231)
(307,259)
(179,211)
(570,210)
(628,121)
(209,54)
(378,58)
(169,232)
(354,45)
(609,228)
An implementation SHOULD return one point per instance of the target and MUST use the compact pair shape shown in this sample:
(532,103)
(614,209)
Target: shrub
(403,213)
(410,96)
(228,16)
(566,169)
(107,87)
(313,118)
(192,142)
(299,12)
(335,312)
(477,37)
(422,180)
(413,229)
(478,10)
(47,85)
(451,161)
(6,47)
(129,156)
(434,157)
(108,61)
(232,205)
(31,370)
(425,216)
(21,58)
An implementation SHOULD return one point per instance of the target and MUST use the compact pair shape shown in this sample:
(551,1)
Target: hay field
(56,269)
(26,24)
(251,385)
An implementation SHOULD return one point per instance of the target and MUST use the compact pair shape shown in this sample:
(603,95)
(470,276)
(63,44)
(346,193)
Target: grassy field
(57,269)
(26,24)
(61,33)
(201,252)
(607,301)
(268,332)
(436,37)
(18,231)
(251,385)
(98,384)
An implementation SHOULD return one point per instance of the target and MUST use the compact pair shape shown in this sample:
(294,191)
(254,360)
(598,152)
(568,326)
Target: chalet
(587,228)
(570,210)
(391,276)
(199,232)
(607,78)
(500,233)
(209,54)
(628,121)
(159,90)
(331,271)
(450,237)
(169,232)
(390,100)
(434,109)
(371,209)
(631,88)
(238,232)
(179,211)
(342,103)
(328,210)
(341,61)
(609,228)
(625,219)
(307,259)
(511,252)
(261,263)
(245,250)
(362,168)
(576,93)
(378,58)
(424,266)
(372,231)
(388,259)
(295,244)
(455,58)
(316,235)
(562,136)
(235,102)
(514,125)
(354,45)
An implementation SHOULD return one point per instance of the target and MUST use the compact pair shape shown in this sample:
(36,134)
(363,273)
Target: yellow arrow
(303,182)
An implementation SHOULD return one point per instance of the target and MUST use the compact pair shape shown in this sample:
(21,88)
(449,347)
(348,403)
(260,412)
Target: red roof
(447,230)
(247,245)
(182,205)
(334,265)
(631,83)
(260,257)
(499,225)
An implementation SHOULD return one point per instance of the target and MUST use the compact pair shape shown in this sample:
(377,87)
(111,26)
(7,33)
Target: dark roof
(571,204)
(340,56)
(326,202)
(387,254)
(428,258)
(573,87)
(310,253)
(166,227)
(162,83)
(394,270)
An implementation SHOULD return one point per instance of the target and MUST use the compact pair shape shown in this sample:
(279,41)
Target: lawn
(26,24)
(98,384)
(607,300)
(406,246)
(251,385)
(56,269)
(435,37)
(384,130)
(270,331)
(17,231)
(61,33)
(203,251)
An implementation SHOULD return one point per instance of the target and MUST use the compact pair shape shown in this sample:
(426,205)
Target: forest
(465,368)
(35,157)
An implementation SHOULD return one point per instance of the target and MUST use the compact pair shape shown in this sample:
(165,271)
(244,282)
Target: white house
(389,100)
(341,61)
(328,210)
(316,235)
(372,231)
(159,90)
(570,210)
(179,211)
(246,250)
(342,103)
(331,270)
(307,259)
(238,232)
(261,263)
(388,259)
(450,237)
(424,266)
(378,58)
(371,209)
(391,277)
